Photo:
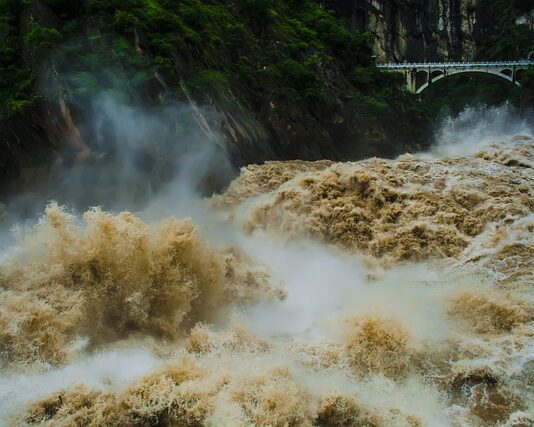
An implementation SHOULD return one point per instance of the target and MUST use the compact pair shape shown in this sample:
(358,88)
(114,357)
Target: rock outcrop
(408,30)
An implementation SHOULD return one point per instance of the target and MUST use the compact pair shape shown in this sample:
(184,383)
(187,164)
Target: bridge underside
(420,79)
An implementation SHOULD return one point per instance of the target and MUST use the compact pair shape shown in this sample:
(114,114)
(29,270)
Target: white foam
(109,370)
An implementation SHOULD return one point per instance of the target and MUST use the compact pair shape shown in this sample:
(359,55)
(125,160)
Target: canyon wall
(428,30)
(283,80)
(274,81)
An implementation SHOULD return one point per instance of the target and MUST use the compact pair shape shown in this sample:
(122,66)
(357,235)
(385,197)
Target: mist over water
(380,292)
(124,156)
(475,128)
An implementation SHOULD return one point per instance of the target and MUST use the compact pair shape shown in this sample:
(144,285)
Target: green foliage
(124,21)
(455,93)
(83,83)
(19,105)
(41,38)
(368,106)
(527,80)
(258,13)
(362,76)
(329,30)
(293,51)
(103,63)
(16,82)
(272,46)
(110,6)
(295,80)
(205,80)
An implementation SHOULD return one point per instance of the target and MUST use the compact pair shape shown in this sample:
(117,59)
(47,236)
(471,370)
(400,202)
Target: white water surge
(380,292)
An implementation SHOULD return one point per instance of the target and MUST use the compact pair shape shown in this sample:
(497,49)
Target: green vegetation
(16,84)
(453,94)
(293,52)
(41,38)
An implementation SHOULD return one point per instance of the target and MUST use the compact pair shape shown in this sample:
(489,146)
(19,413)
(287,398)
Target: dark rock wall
(414,30)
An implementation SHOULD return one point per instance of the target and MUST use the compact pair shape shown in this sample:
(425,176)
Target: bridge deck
(492,64)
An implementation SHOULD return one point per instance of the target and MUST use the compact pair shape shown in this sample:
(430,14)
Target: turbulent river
(371,293)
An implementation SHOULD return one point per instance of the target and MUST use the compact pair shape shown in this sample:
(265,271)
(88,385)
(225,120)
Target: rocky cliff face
(281,84)
(285,79)
(415,30)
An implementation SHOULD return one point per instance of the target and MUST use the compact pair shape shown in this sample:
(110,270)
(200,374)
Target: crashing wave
(379,293)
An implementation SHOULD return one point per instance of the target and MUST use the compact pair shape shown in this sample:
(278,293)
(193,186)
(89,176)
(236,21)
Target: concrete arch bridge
(420,75)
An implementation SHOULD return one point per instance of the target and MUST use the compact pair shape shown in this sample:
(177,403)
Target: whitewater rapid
(376,293)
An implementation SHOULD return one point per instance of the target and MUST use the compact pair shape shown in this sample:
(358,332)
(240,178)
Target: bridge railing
(472,64)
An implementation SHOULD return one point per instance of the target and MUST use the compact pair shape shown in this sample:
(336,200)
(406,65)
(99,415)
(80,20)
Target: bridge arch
(420,78)
(508,72)
(421,75)
(499,77)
